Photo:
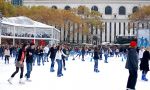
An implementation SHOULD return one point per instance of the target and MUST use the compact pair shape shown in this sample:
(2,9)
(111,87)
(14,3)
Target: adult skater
(7,55)
(29,60)
(144,65)
(132,66)
(58,58)
(63,57)
(96,57)
(19,64)
(52,53)
(83,53)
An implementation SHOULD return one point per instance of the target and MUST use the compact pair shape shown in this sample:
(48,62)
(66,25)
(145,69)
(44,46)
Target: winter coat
(7,52)
(144,65)
(96,57)
(29,55)
(19,58)
(52,52)
(132,60)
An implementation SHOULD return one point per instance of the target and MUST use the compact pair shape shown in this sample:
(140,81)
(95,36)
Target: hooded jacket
(132,60)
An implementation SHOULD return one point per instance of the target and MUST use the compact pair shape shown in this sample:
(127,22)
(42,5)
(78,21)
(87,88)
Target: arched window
(108,10)
(122,10)
(67,7)
(135,9)
(54,7)
(94,8)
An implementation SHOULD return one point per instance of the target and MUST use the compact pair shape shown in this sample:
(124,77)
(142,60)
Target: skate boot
(21,81)
(10,80)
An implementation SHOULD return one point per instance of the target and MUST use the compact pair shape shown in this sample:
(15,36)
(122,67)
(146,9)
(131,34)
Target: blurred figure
(144,65)
(7,55)
(132,66)
(19,64)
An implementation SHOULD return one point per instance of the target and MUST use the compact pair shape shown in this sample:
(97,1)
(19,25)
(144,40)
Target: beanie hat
(133,44)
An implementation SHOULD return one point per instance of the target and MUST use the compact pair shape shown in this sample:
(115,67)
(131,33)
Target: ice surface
(78,76)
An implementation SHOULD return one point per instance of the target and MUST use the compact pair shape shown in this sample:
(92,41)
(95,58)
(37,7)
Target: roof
(24,21)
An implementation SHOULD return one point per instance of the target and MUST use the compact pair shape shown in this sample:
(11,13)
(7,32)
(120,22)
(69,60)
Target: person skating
(58,58)
(19,64)
(96,57)
(7,55)
(144,65)
(83,53)
(132,66)
(29,60)
(63,57)
(52,53)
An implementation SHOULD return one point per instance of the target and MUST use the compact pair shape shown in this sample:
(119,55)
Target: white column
(112,31)
(34,34)
(14,36)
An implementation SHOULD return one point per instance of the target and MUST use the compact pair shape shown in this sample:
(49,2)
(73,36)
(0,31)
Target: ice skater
(144,65)
(96,57)
(19,64)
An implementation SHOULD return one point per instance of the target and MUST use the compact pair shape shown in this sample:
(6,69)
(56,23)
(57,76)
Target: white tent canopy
(25,28)
(24,21)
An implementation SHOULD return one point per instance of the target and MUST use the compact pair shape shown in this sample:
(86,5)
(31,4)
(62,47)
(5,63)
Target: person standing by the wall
(144,65)
(132,66)
(19,64)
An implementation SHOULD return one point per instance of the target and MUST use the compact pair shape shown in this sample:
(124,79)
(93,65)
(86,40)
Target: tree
(141,16)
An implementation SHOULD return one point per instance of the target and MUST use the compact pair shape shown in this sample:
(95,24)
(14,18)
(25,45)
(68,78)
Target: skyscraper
(17,2)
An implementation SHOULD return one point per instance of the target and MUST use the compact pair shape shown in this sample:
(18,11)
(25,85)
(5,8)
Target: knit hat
(133,44)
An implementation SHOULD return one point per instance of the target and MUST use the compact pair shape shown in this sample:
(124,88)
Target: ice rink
(78,76)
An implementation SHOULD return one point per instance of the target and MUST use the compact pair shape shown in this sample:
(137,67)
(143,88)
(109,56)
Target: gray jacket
(132,60)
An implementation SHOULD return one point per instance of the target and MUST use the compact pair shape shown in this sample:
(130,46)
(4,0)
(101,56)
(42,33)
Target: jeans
(29,69)
(59,62)
(106,57)
(1,55)
(17,70)
(96,64)
(39,57)
(64,63)
(34,58)
(132,79)
(52,64)
(6,59)
(45,57)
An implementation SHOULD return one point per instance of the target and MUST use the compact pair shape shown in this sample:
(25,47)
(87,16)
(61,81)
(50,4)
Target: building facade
(115,15)
(17,2)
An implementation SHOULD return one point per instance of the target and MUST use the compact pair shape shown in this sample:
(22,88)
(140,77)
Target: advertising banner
(143,36)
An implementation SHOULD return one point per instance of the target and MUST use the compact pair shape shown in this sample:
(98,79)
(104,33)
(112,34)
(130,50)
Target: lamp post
(1,17)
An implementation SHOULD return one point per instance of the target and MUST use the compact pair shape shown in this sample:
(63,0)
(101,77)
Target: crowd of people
(60,53)
(38,35)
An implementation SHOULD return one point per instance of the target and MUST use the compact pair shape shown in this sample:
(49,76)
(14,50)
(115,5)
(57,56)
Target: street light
(1,17)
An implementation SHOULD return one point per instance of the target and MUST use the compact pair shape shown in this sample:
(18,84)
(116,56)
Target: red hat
(133,44)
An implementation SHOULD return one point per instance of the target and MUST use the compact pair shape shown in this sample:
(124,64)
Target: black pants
(17,70)
(132,79)
(6,59)
(64,63)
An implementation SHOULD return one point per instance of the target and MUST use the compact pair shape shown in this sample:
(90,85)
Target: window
(108,10)
(54,7)
(122,10)
(67,8)
(135,9)
(94,8)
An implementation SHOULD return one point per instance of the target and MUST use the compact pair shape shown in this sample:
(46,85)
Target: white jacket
(141,51)
(7,52)
(59,55)
(46,49)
